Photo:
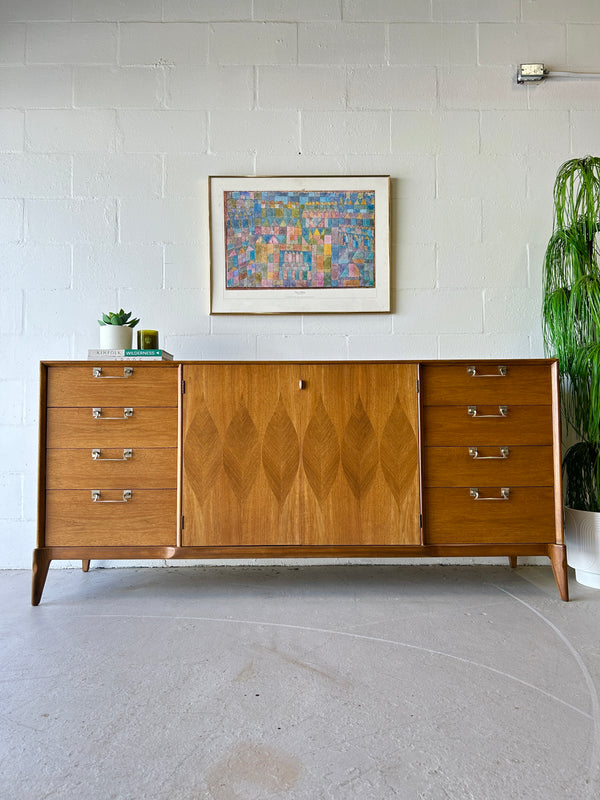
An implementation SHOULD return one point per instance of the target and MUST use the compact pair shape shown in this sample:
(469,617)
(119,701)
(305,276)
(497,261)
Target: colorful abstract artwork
(296,245)
(309,240)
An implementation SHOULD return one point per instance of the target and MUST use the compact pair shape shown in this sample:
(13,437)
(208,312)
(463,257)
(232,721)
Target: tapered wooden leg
(85,565)
(558,558)
(512,560)
(41,562)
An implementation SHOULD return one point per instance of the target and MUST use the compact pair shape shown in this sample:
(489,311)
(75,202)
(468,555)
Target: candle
(147,340)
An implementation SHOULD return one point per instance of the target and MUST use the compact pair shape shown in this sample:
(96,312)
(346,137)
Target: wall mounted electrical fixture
(533,73)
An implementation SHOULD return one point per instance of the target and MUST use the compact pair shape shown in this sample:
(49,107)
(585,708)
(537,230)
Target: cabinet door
(241,455)
(360,462)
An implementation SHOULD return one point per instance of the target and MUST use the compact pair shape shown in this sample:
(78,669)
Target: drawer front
(452,516)
(148,386)
(77,427)
(148,518)
(453,426)
(142,469)
(523,384)
(462,466)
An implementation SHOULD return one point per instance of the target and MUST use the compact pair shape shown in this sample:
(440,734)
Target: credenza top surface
(184,362)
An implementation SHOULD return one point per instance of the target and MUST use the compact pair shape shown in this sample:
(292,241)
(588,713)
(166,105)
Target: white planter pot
(116,337)
(582,534)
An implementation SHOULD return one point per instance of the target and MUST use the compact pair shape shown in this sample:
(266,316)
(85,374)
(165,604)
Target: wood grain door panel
(77,427)
(145,469)
(452,426)
(360,477)
(241,454)
(148,518)
(455,466)
(452,516)
(150,385)
(524,384)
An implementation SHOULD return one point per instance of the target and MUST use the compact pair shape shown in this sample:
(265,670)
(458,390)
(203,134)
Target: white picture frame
(351,214)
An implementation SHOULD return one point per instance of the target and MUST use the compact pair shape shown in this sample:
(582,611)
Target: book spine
(104,352)
(148,354)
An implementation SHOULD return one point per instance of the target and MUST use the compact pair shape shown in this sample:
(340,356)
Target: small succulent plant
(118,318)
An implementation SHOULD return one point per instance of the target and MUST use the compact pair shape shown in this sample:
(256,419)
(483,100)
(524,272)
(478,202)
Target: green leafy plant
(118,318)
(571,316)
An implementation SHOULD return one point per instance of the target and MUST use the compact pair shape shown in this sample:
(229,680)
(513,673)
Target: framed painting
(285,245)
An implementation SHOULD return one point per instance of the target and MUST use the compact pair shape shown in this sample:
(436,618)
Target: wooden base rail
(43,556)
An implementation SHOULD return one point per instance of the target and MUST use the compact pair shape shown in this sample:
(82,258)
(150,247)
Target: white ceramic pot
(116,337)
(582,535)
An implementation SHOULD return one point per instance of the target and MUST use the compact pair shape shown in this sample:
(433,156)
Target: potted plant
(116,330)
(571,317)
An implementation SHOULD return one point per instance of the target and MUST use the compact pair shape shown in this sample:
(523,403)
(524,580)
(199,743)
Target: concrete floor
(308,683)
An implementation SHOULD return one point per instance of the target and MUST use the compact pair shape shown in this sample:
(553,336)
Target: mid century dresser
(161,460)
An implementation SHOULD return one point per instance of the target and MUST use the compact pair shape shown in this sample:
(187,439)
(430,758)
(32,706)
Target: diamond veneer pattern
(203,437)
(360,453)
(399,453)
(241,453)
(280,453)
(320,453)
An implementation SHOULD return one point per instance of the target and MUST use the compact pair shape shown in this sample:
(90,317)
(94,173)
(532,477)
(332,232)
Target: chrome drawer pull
(96,494)
(127,373)
(474,452)
(472,412)
(500,374)
(96,455)
(97,414)
(504,494)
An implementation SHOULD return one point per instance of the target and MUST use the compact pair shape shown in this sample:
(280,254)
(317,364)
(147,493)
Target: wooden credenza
(285,459)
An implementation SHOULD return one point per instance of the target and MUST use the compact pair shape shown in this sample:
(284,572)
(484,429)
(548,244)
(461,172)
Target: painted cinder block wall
(114,112)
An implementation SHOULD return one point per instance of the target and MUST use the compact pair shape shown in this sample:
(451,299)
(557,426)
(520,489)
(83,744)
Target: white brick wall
(253,43)
(210,87)
(70,131)
(433,43)
(35,87)
(71,43)
(167,43)
(123,87)
(114,112)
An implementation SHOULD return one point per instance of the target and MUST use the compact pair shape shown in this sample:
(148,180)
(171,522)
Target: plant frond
(581,467)
(571,320)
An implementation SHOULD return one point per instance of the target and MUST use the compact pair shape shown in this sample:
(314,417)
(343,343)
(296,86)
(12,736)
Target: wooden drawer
(455,466)
(452,516)
(70,386)
(523,384)
(148,518)
(452,425)
(77,427)
(143,469)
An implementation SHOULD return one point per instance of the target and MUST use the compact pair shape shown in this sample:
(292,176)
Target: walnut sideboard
(160,460)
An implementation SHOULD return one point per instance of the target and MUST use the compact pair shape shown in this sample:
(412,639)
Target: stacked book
(106,354)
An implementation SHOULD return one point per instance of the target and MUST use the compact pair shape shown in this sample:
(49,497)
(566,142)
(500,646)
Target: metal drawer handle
(504,494)
(474,452)
(97,414)
(127,373)
(96,494)
(472,412)
(96,455)
(500,374)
